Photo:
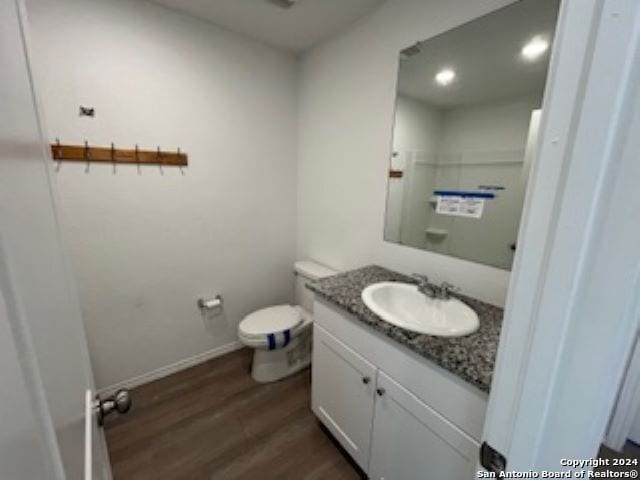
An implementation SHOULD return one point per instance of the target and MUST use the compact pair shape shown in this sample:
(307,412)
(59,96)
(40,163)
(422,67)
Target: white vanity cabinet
(400,416)
(342,394)
(412,441)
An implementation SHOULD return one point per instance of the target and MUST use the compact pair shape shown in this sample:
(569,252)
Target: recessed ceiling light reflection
(534,49)
(445,77)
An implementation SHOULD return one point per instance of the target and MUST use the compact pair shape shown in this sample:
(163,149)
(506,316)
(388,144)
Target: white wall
(146,245)
(347,96)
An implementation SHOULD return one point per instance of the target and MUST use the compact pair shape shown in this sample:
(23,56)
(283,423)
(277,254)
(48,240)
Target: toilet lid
(270,320)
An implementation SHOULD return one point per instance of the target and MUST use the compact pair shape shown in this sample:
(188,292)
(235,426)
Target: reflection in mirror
(467,115)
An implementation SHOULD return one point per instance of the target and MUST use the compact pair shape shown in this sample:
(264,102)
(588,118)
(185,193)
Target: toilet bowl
(281,335)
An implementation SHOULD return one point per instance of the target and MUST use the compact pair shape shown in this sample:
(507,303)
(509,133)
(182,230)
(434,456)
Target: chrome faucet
(444,290)
(432,291)
(424,286)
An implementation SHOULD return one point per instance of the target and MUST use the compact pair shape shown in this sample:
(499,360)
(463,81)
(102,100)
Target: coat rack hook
(58,149)
(113,157)
(58,154)
(159,159)
(137,159)
(178,160)
(87,156)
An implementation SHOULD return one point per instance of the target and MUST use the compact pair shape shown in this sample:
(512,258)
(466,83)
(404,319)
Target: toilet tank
(308,271)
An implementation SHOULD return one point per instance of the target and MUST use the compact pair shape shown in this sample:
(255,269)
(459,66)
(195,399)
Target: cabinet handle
(380,391)
(366,380)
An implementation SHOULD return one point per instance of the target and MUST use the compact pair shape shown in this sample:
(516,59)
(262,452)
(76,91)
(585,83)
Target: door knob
(120,402)
(380,391)
(366,380)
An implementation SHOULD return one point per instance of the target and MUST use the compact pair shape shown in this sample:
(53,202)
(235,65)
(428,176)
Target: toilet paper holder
(210,303)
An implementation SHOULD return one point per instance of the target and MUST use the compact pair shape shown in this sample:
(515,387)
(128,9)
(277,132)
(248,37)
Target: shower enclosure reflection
(465,132)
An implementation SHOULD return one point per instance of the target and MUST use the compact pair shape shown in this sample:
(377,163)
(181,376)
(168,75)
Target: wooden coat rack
(90,154)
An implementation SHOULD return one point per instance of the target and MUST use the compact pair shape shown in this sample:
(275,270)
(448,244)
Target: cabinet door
(412,441)
(342,393)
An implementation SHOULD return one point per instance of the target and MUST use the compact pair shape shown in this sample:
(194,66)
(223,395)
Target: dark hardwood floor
(213,421)
(630,451)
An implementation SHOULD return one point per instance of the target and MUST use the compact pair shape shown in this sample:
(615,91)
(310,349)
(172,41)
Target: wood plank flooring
(213,421)
(630,452)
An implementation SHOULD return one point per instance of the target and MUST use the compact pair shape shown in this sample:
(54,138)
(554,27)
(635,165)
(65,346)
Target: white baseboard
(170,369)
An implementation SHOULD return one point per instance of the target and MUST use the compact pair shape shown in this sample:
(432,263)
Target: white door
(574,299)
(47,351)
(343,393)
(410,438)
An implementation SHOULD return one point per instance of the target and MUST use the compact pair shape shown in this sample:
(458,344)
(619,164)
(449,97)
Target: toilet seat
(272,327)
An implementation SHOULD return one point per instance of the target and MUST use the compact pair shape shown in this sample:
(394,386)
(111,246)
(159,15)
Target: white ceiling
(485,54)
(295,29)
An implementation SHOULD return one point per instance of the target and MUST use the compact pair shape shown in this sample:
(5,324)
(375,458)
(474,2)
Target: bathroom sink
(402,305)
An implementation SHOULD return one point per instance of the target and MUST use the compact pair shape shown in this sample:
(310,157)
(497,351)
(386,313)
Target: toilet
(281,335)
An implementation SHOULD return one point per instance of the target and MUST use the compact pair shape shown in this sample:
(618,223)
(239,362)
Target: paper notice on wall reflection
(458,206)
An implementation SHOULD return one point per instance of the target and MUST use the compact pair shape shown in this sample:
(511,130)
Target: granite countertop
(471,357)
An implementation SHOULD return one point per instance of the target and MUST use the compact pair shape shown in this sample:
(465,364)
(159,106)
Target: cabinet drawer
(342,395)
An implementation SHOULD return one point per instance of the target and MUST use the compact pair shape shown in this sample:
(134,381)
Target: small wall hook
(87,111)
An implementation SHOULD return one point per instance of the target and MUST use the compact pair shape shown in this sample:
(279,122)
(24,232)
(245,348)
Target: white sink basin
(401,304)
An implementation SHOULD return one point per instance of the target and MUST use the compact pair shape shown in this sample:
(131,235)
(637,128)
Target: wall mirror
(466,123)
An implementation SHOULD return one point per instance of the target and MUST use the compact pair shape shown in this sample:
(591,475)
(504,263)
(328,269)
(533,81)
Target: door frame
(565,340)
